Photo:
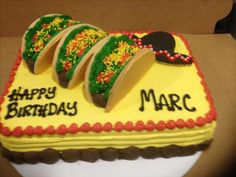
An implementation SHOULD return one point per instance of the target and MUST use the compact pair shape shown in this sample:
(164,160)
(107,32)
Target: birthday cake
(77,92)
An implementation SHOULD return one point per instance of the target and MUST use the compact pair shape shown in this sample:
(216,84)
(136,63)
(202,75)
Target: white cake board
(176,166)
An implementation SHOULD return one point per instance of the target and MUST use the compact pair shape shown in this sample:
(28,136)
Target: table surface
(216,56)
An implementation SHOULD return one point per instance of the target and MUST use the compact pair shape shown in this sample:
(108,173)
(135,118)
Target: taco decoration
(74,51)
(40,40)
(114,70)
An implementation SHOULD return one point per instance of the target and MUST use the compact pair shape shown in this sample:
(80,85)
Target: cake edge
(51,156)
(98,127)
(91,155)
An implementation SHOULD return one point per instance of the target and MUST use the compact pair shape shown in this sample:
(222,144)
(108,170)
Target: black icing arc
(163,44)
(160,40)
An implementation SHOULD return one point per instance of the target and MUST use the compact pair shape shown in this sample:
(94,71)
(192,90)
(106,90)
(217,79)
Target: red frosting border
(108,127)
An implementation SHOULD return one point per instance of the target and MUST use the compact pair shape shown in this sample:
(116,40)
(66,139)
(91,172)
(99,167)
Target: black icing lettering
(163,102)
(172,102)
(42,111)
(33,93)
(20,112)
(34,108)
(14,94)
(25,95)
(37,110)
(147,97)
(174,99)
(185,97)
(18,94)
(49,109)
(51,93)
(42,91)
(27,110)
(52,109)
(45,110)
(11,110)
(62,109)
(73,108)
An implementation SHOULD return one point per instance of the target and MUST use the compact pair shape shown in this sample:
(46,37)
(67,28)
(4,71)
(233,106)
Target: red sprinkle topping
(67,65)
(105,77)
(44,25)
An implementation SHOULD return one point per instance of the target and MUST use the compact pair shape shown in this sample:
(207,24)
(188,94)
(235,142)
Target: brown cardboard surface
(216,56)
(185,16)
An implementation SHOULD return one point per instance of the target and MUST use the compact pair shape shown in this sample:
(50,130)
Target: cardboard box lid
(185,16)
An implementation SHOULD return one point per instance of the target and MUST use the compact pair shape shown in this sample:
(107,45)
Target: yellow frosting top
(163,79)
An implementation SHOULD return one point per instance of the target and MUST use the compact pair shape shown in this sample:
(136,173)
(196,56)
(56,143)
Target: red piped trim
(73,128)
(28,131)
(50,130)
(170,124)
(97,127)
(200,121)
(129,126)
(85,127)
(180,123)
(150,126)
(62,130)
(190,123)
(17,131)
(118,126)
(6,131)
(38,130)
(160,125)
(108,126)
(139,126)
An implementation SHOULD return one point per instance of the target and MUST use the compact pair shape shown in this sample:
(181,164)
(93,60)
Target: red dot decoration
(118,126)
(107,127)
(97,127)
(73,128)
(50,130)
(62,130)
